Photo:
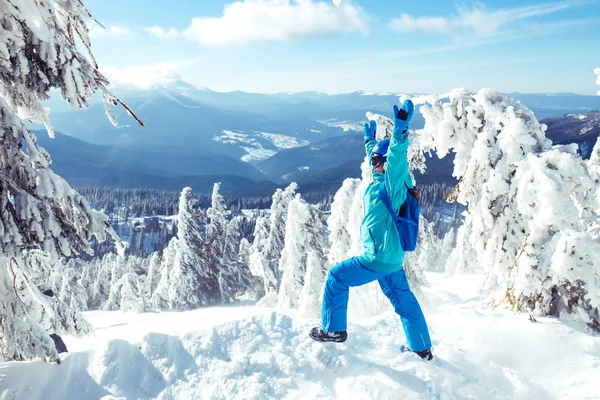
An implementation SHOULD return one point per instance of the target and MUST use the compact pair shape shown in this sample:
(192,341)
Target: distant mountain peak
(371,93)
(180,86)
(173,85)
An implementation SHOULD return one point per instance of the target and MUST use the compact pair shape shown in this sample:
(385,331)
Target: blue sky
(335,46)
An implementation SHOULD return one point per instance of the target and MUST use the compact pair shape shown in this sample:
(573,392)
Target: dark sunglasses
(377,160)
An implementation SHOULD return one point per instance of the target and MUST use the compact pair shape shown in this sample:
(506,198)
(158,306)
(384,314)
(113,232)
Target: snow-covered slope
(247,352)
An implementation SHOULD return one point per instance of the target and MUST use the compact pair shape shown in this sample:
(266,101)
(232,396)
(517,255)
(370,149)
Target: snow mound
(168,356)
(250,352)
(124,371)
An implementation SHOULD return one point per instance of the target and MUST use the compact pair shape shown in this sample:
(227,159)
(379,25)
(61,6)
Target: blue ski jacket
(382,251)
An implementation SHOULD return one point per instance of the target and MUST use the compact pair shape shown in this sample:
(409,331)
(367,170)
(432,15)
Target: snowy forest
(525,214)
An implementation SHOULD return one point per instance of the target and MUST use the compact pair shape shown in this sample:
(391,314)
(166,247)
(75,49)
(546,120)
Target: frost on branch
(38,52)
(38,209)
(531,205)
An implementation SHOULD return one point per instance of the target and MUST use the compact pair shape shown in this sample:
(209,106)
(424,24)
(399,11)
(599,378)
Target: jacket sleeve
(397,173)
(369,144)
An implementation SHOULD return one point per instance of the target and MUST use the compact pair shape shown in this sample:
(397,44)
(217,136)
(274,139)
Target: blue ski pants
(394,285)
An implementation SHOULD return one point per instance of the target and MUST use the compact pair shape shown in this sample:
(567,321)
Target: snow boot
(424,354)
(320,335)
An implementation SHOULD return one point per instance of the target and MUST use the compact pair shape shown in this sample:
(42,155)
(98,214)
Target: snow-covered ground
(346,126)
(255,151)
(248,352)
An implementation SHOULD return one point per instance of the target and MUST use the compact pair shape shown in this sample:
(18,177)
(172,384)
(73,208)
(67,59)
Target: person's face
(377,162)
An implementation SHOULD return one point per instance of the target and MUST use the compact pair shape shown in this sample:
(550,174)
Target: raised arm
(397,172)
(370,130)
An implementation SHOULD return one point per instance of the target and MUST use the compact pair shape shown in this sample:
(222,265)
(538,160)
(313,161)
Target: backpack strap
(386,201)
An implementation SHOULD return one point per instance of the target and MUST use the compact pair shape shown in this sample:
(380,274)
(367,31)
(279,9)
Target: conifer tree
(159,298)
(256,261)
(303,259)
(254,288)
(293,257)
(448,243)
(275,241)
(153,278)
(214,242)
(525,199)
(234,275)
(185,281)
(264,260)
(192,283)
(425,257)
(339,237)
(38,209)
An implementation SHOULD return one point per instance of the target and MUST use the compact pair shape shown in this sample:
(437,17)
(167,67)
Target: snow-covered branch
(530,204)
(38,209)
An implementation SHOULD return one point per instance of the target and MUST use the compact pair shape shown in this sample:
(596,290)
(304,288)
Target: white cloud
(478,20)
(408,23)
(251,21)
(160,33)
(146,76)
(97,31)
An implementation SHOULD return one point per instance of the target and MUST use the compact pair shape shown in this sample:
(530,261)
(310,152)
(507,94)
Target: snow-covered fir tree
(234,275)
(197,283)
(159,298)
(254,290)
(214,241)
(339,237)
(309,303)
(73,289)
(597,72)
(53,314)
(39,210)
(113,282)
(448,243)
(303,260)
(356,212)
(256,261)
(463,257)
(127,285)
(265,263)
(153,278)
(525,200)
(425,257)
(186,283)
(127,294)
(100,274)
(135,236)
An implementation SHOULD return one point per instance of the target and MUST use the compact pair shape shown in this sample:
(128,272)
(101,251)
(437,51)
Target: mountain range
(251,142)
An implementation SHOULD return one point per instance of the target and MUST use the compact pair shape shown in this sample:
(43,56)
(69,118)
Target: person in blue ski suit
(382,255)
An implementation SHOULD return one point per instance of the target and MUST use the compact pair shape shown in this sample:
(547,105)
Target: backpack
(407,220)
